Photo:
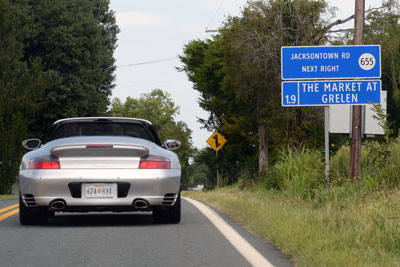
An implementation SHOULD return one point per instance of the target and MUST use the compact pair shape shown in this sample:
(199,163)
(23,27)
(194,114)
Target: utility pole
(355,151)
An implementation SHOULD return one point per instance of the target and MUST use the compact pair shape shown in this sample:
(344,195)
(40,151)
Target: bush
(339,166)
(394,163)
(299,172)
(379,163)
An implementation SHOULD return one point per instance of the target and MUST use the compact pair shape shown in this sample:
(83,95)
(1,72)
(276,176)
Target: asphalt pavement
(123,239)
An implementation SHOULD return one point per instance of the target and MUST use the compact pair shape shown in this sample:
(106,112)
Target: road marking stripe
(9,208)
(8,214)
(241,245)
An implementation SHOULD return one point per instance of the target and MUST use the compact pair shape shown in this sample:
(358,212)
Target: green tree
(200,178)
(158,107)
(56,60)
(237,73)
(383,28)
(75,39)
(21,83)
(252,65)
(204,66)
(204,163)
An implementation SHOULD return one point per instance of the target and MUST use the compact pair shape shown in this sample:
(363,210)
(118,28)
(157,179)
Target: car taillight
(44,163)
(154,162)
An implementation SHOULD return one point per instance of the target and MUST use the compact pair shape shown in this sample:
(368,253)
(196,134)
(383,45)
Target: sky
(152,36)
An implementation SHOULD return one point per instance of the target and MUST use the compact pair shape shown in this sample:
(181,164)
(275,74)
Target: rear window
(101,128)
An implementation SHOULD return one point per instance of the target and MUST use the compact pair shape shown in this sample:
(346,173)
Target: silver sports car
(100,164)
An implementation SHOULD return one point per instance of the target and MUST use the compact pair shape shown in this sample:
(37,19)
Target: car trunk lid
(99,156)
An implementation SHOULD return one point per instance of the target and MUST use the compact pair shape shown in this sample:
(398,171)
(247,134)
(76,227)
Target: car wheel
(168,215)
(31,216)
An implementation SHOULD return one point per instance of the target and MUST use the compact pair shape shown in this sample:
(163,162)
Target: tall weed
(298,172)
(339,166)
(379,162)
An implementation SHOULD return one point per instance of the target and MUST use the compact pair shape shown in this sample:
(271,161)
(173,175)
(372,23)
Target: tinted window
(101,128)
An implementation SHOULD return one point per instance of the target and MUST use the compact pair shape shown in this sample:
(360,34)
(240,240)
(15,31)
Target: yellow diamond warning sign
(216,141)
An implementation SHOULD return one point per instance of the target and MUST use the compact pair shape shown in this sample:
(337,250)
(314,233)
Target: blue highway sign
(330,62)
(325,93)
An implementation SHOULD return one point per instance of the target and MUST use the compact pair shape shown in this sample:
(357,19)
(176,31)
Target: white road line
(241,245)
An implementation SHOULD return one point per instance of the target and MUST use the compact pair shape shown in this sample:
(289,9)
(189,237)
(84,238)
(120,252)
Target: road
(123,239)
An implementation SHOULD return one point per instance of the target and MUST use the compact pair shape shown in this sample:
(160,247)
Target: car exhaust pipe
(58,204)
(140,204)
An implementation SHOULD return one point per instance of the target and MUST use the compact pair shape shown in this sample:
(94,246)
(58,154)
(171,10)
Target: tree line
(56,61)
(237,73)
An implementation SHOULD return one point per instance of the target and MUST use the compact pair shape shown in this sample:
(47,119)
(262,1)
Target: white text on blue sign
(323,93)
(330,62)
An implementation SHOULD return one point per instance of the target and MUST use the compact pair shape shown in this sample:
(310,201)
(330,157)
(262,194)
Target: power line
(216,12)
(151,83)
(122,66)
(147,62)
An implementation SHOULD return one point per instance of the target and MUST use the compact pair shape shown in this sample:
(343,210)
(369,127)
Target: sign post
(326,109)
(216,141)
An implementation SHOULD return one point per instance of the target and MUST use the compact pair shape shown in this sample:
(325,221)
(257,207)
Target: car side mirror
(172,144)
(32,144)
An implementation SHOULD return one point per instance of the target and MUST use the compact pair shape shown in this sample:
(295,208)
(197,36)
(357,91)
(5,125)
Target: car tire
(32,215)
(168,215)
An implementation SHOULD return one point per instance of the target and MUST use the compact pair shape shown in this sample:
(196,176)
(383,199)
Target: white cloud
(138,19)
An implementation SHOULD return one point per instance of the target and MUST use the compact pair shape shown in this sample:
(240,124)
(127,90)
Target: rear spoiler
(99,150)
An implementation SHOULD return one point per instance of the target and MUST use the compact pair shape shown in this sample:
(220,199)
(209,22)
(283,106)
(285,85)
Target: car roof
(101,118)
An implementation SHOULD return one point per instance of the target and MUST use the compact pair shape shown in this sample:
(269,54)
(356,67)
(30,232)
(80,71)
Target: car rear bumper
(156,187)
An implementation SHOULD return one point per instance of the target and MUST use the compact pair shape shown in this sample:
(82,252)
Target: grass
(347,226)
(5,197)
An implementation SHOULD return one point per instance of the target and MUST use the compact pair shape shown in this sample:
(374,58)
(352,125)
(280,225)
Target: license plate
(97,190)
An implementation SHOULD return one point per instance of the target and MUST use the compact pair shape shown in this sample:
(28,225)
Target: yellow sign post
(216,141)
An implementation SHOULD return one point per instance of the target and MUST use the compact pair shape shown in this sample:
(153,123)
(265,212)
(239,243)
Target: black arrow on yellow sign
(216,141)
